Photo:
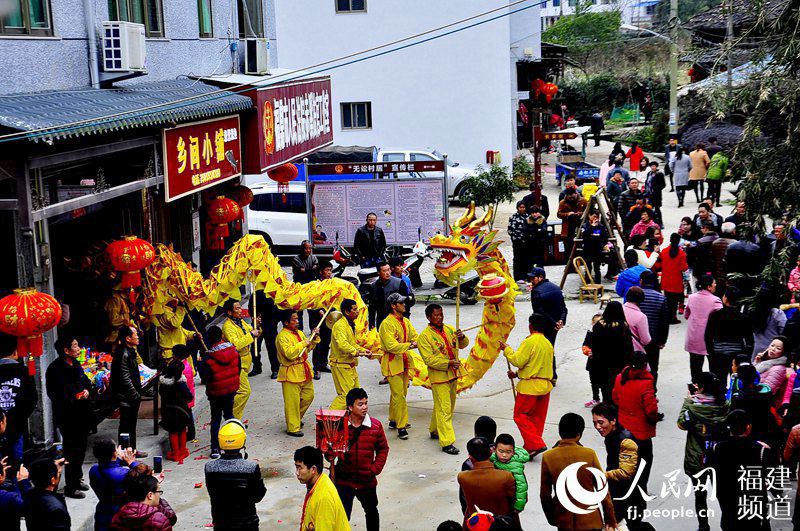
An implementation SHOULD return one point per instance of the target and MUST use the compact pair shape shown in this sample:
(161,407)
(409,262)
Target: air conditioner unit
(123,47)
(256,57)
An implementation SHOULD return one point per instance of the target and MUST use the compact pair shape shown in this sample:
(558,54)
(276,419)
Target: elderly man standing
(384,285)
(398,336)
(241,335)
(439,344)
(305,269)
(369,243)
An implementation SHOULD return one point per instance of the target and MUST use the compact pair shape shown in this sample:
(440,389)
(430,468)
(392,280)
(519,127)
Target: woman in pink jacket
(698,307)
(182,353)
(772,366)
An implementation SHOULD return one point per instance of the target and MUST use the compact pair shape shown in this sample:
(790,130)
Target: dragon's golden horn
(468,216)
(483,220)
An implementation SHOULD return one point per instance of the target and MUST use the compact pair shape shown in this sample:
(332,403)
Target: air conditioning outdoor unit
(256,57)
(123,46)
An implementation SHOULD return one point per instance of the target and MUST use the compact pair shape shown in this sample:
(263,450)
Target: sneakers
(215,454)
(450,449)
(82,486)
(316,375)
(74,493)
(273,376)
(402,433)
(294,433)
(435,435)
(591,403)
(392,425)
(385,381)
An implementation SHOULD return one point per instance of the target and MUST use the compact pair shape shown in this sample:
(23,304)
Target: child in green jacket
(512,459)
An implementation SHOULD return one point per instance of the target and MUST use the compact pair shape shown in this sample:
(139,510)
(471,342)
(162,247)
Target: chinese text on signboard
(295,120)
(375,167)
(201,154)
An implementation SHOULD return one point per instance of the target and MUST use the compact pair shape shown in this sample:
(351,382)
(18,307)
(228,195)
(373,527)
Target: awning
(62,114)
(646,3)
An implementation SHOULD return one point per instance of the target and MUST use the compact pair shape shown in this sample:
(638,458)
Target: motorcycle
(469,293)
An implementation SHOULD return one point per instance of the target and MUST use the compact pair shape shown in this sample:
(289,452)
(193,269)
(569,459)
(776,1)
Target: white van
(282,224)
(456,173)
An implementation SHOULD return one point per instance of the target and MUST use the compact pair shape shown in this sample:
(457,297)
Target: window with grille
(251,18)
(351,6)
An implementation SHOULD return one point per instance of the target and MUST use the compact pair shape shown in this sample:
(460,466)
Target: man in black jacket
(547,299)
(234,484)
(369,243)
(17,397)
(45,509)
(126,384)
(654,185)
(728,333)
(655,307)
(68,389)
(384,285)
(530,202)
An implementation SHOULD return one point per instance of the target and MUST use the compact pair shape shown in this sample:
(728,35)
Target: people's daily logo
(568,488)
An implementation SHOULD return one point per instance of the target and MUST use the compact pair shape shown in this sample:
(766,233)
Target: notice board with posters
(201,154)
(407,209)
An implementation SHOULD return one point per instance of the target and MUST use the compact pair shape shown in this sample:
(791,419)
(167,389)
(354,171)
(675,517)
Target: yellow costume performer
(396,335)
(295,376)
(170,330)
(438,348)
(343,361)
(323,509)
(118,310)
(240,337)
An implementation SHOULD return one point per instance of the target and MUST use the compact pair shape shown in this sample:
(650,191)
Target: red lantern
(549,90)
(221,211)
(130,255)
(537,85)
(492,288)
(27,314)
(283,175)
(242,195)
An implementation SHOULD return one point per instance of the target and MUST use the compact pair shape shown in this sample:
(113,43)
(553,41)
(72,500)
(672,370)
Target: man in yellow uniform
(170,329)
(398,336)
(534,359)
(322,507)
(241,335)
(118,311)
(295,374)
(344,354)
(439,344)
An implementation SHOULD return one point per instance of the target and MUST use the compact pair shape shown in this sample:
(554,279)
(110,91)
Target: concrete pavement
(418,489)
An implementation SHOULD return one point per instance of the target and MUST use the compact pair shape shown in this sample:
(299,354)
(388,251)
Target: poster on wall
(201,154)
(407,209)
(295,119)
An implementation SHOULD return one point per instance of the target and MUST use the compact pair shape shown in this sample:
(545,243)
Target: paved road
(418,488)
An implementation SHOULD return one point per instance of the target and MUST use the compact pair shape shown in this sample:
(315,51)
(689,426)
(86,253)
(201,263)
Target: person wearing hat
(296,373)
(439,345)
(547,299)
(398,336)
(322,506)
(344,353)
(534,361)
(234,483)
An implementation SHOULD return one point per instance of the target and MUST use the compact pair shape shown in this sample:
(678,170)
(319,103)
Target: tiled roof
(53,114)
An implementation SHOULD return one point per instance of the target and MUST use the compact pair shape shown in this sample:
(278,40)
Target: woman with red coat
(219,370)
(635,154)
(635,396)
(673,264)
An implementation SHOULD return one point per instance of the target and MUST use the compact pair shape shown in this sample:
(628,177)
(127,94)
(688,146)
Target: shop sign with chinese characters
(200,155)
(295,119)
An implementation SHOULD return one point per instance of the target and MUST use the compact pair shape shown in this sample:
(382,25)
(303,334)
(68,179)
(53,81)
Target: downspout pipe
(91,38)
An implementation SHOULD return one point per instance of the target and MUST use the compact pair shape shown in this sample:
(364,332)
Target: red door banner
(294,119)
(201,154)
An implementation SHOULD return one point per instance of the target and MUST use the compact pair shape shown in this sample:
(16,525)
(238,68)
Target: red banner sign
(200,155)
(375,167)
(558,136)
(294,119)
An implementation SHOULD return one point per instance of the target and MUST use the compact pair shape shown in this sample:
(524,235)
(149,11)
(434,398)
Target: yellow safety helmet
(232,435)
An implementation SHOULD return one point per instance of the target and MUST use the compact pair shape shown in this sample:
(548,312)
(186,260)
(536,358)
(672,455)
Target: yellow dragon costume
(469,246)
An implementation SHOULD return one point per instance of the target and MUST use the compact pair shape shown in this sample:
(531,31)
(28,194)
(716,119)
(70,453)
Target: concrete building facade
(457,94)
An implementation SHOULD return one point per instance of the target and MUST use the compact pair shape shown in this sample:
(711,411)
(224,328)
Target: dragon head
(466,245)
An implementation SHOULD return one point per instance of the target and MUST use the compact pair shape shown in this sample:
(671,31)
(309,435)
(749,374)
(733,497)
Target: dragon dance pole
(194,327)
(513,389)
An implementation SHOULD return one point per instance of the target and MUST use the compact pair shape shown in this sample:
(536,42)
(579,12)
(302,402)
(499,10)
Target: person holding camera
(12,504)
(45,508)
(107,478)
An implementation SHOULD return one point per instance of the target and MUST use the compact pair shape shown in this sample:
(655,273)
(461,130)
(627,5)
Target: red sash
(305,502)
(405,340)
(447,344)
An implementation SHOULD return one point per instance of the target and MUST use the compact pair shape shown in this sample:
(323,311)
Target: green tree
(686,10)
(489,187)
(586,33)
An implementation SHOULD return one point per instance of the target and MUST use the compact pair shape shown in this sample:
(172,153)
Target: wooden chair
(587,288)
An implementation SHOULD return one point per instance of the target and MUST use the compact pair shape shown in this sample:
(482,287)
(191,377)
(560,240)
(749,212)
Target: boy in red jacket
(219,370)
(357,470)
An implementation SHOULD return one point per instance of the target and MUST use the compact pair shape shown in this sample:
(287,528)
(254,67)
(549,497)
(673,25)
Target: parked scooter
(469,294)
